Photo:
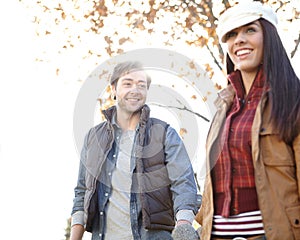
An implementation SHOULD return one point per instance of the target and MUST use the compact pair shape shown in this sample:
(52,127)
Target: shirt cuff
(78,218)
(187,215)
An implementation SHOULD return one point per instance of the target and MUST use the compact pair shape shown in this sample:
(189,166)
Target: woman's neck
(248,79)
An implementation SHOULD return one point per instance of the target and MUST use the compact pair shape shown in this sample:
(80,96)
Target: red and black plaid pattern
(233,174)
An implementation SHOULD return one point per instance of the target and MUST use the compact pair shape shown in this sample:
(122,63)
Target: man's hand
(184,231)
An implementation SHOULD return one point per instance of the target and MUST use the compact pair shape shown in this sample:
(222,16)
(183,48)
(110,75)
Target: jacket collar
(235,79)
(145,113)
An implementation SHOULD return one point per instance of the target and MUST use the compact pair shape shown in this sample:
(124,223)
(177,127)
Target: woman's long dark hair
(284,84)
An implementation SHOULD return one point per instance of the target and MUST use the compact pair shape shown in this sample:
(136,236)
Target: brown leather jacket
(277,173)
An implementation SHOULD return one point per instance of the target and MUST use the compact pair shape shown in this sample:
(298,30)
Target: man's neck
(128,121)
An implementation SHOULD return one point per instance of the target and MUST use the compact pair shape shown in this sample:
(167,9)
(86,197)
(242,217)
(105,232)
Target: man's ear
(113,91)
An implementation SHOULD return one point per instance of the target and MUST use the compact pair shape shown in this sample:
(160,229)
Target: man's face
(131,91)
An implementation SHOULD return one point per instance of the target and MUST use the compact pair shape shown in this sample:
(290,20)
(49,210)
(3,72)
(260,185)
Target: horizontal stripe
(240,230)
(222,233)
(245,226)
(241,214)
(238,220)
(249,223)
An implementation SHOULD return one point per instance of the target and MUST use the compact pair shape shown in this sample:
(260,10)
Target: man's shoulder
(98,128)
(158,121)
(100,125)
(158,129)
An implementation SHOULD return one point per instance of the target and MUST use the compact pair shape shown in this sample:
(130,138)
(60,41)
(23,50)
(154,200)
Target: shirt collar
(115,123)
(235,78)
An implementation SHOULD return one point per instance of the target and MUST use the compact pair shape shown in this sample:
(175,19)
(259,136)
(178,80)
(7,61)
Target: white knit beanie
(243,13)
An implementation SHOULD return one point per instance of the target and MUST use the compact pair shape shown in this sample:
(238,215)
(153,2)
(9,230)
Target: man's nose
(135,86)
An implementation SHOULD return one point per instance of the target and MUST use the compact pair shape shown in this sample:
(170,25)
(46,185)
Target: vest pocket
(293,214)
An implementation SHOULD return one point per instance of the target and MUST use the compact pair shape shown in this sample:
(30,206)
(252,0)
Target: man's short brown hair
(124,68)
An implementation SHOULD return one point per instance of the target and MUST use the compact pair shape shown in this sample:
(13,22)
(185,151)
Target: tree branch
(213,56)
(296,47)
(183,109)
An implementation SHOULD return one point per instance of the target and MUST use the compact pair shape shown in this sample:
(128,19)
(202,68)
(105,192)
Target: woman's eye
(230,35)
(251,30)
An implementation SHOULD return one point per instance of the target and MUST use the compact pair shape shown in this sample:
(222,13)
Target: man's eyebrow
(130,79)
(127,79)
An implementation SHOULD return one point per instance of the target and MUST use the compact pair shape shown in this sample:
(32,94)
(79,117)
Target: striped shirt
(244,224)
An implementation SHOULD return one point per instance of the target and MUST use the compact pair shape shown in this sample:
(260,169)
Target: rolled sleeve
(78,218)
(187,215)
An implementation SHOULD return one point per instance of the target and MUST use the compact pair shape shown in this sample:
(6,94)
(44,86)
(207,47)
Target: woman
(253,146)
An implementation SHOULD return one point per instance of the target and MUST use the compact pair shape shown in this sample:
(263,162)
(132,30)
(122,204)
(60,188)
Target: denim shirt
(104,193)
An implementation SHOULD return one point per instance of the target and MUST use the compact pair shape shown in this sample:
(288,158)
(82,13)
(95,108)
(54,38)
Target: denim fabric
(104,191)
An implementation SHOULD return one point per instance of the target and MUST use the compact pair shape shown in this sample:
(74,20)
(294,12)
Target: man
(135,178)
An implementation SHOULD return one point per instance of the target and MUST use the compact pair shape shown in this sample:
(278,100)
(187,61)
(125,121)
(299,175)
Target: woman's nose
(240,38)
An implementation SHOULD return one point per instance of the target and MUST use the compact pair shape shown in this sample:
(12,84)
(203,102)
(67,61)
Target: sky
(38,155)
(37,151)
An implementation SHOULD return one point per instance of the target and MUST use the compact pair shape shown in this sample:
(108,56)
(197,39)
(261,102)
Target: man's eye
(142,85)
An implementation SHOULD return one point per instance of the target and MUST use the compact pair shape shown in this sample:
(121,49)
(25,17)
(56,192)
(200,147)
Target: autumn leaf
(151,15)
(192,65)
(104,72)
(217,86)
(63,15)
(109,51)
(101,8)
(123,40)
(120,51)
(182,131)
(139,24)
(108,40)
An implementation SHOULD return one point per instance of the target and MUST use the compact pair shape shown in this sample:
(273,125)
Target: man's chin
(135,110)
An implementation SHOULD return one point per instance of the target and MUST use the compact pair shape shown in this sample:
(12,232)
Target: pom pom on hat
(243,13)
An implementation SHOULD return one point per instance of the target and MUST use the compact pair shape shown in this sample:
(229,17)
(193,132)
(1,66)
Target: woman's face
(245,47)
